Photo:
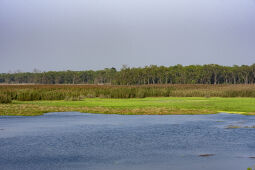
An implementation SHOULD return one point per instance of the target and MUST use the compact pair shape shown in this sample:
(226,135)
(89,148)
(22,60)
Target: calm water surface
(127,142)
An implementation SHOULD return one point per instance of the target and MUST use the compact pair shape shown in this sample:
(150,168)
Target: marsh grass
(62,92)
(4,99)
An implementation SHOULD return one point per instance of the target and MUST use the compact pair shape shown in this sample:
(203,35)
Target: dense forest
(178,74)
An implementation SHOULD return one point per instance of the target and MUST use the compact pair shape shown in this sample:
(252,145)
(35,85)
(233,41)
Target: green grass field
(150,105)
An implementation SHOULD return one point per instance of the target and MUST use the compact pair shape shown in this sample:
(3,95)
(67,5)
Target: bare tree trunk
(246,79)
(215,79)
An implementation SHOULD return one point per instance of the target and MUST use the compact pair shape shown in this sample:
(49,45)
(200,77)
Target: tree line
(178,74)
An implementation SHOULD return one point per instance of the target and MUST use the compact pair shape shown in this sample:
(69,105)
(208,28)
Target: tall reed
(76,92)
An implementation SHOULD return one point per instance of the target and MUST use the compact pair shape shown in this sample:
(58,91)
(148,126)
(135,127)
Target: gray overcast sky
(94,34)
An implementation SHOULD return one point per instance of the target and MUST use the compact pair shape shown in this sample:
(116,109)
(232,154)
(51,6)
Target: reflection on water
(112,142)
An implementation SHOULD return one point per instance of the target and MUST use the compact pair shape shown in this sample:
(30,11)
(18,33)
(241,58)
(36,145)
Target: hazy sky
(94,34)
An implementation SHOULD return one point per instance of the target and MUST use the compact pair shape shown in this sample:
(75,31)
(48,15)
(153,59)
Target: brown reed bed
(77,92)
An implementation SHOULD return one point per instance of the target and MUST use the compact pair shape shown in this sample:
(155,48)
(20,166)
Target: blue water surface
(74,140)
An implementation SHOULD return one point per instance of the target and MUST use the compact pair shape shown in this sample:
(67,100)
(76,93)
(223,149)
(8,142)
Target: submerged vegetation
(237,127)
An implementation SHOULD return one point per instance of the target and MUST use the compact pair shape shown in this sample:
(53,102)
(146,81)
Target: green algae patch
(232,112)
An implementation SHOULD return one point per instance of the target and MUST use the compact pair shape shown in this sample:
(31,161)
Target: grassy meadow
(150,99)
(150,105)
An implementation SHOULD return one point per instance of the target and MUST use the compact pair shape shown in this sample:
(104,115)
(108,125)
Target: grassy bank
(151,105)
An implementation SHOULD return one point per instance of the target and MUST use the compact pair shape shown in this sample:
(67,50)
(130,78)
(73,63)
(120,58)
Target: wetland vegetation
(143,99)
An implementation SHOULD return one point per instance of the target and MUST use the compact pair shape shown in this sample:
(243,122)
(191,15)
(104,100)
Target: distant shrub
(104,96)
(90,95)
(73,98)
(4,98)
(207,96)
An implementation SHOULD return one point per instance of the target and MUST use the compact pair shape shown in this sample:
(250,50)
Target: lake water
(128,142)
